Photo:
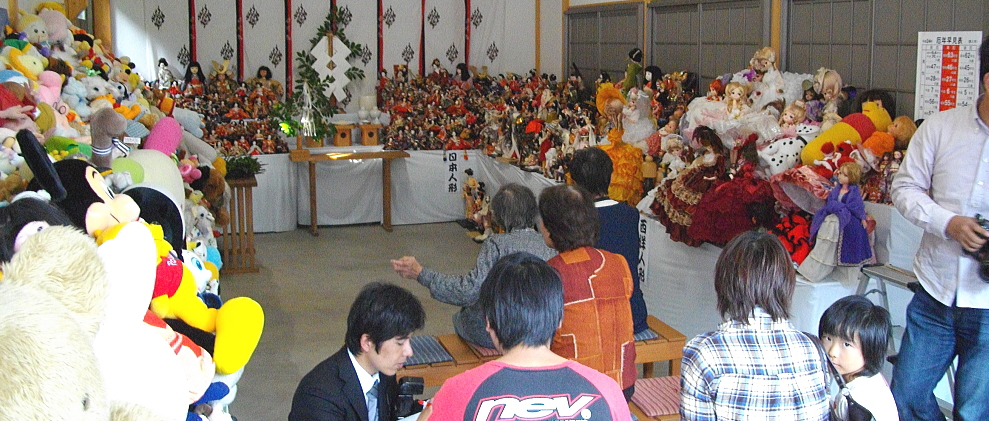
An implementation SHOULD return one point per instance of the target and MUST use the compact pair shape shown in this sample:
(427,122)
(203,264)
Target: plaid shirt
(762,370)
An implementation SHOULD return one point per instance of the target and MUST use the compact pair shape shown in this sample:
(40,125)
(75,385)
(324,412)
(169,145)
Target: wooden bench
(667,347)
(436,373)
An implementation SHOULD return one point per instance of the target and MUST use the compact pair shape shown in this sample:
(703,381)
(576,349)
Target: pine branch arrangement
(286,115)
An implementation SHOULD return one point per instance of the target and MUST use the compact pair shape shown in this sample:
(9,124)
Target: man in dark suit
(361,375)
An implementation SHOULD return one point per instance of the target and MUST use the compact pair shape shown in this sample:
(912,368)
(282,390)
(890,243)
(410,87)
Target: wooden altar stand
(300,154)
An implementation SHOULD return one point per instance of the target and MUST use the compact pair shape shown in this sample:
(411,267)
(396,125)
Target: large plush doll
(856,127)
(52,301)
(77,187)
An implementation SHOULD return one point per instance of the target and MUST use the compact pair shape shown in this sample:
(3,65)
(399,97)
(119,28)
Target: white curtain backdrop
(159,41)
(445,40)
(264,39)
(307,16)
(401,37)
(216,33)
(503,36)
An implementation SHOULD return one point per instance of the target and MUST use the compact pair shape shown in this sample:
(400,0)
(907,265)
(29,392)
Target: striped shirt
(762,370)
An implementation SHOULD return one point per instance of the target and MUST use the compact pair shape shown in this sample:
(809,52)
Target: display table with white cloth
(349,192)
(679,282)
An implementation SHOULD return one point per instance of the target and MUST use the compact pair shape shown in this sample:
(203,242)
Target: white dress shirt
(944,174)
(367,380)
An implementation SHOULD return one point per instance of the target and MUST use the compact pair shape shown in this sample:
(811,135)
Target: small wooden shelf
(238,235)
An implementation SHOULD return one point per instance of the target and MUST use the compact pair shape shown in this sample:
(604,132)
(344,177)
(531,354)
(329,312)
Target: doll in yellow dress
(626,178)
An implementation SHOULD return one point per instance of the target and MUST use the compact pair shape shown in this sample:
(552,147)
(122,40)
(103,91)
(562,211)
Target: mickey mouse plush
(77,188)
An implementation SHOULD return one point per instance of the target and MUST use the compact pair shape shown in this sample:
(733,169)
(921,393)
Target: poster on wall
(947,71)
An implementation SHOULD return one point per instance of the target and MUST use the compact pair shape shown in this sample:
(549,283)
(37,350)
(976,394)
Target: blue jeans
(935,334)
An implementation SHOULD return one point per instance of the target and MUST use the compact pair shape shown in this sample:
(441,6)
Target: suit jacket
(332,392)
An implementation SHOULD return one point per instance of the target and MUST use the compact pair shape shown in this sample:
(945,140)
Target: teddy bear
(52,301)
(99,92)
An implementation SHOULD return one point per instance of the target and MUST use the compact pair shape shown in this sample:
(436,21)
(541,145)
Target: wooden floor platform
(667,347)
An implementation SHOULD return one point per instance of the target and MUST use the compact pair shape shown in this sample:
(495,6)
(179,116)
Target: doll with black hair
(463,76)
(854,333)
(194,79)
(633,70)
(264,78)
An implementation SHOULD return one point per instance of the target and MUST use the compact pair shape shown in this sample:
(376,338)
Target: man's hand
(407,267)
(966,230)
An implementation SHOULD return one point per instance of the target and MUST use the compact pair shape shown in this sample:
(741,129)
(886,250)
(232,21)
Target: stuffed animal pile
(111,290)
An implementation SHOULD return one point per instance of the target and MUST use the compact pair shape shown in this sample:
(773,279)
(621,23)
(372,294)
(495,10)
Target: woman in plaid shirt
(756,365)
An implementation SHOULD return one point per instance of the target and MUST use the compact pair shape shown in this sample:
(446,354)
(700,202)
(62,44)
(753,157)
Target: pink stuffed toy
(165,136)
(50,89)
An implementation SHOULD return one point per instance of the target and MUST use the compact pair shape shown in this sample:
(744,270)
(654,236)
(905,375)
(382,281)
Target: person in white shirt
(855,332)
(941,186)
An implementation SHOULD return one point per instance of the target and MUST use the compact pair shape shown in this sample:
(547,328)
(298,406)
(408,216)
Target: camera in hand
(982,254)
(406,404)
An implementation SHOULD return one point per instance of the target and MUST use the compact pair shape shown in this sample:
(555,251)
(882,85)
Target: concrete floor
(306,285)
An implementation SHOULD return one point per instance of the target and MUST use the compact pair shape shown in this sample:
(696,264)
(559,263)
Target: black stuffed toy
(77,188)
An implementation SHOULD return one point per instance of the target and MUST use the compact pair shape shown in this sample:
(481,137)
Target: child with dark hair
(854,332)
(522,301)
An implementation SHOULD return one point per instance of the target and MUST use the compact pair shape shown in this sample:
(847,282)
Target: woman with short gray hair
(515,210)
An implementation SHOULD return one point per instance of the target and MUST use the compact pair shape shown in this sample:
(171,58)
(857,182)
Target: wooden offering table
(301,154)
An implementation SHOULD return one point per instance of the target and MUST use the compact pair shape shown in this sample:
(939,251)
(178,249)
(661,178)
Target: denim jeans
(935,334)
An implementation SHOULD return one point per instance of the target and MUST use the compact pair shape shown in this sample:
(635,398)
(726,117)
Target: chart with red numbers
(947,71)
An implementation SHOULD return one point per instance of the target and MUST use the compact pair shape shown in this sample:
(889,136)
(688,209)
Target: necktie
(372,402)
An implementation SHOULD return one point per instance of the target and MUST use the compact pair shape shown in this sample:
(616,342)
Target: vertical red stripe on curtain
(422,40)
(240,39)
(381,37)
(192,31)
(289,54)
(467,17)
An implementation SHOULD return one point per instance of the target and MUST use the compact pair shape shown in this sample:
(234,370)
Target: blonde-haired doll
(792,115)
(827,82)
(736,99)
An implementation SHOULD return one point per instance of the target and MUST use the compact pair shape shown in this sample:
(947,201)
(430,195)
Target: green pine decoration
(285,116)
(243,166)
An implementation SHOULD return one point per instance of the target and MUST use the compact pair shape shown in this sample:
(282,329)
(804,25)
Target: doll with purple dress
(838,229)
